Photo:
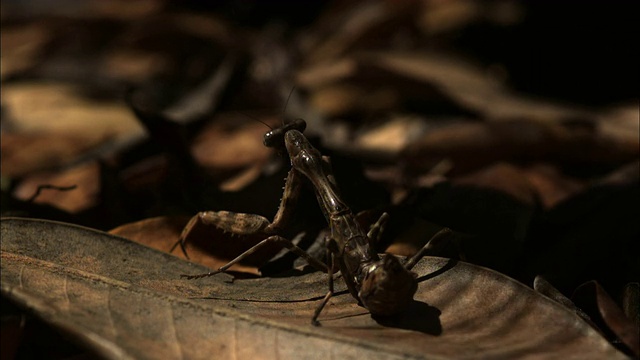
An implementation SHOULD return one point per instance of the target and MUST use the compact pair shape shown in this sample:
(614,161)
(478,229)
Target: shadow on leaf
(420,316)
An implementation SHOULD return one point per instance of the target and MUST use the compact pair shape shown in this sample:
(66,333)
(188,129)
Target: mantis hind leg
(377,229)
(316,313)
(279,240)
(435,244)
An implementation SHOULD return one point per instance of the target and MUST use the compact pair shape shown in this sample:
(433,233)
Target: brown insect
(383,285)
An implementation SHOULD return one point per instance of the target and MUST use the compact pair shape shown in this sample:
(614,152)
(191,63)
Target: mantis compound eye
(275,137)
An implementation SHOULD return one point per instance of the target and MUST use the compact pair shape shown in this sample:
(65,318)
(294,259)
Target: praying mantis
(382,284)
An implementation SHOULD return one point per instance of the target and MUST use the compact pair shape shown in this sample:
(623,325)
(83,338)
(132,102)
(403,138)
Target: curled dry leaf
(60,108)
(220,146)
(341,99)
(551,185)
(25,153)
(20,47)
(124,300)
(594,300)
(439,77)
(541,285)
(625,175)
(85,177)
(158,233)
(52,125)
(472,145)
(368,23)
(470,86)
(502,177)
(393,135)
(208,245)
(363,85)
(529,184)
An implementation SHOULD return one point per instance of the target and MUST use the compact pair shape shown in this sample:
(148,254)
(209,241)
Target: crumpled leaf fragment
(594,300)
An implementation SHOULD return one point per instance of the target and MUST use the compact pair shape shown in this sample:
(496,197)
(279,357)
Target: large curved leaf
(124,300)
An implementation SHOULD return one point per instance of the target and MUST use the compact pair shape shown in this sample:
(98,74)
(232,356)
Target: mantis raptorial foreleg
(381,284)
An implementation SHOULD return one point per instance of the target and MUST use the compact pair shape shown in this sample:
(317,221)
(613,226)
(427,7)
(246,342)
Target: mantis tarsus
(383,285)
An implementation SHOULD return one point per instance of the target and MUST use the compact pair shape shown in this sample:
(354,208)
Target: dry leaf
(551,186)
(503,177)
(26,153)
(162,232)
(594,300)
(225,146)
(20,47)
(60,108)
(472,145)
(123,300)
(85,177)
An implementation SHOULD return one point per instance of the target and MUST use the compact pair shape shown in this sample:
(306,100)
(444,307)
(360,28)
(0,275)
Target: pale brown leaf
(123,300)
(25,153)
(85,177)
(161,233)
